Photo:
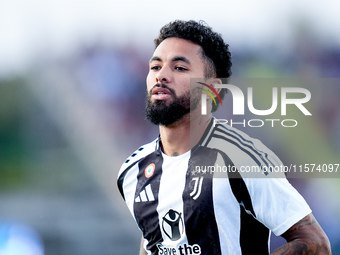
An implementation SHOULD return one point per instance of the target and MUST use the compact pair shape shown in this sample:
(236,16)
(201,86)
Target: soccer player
(182,209)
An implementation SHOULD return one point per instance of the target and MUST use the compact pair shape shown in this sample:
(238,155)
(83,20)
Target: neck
(184,134)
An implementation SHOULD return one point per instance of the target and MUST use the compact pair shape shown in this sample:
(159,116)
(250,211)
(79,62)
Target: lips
(160,93)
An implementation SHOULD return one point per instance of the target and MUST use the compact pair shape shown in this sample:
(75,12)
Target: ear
(213,81)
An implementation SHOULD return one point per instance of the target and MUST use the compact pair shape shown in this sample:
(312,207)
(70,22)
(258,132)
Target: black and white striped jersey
(201,202)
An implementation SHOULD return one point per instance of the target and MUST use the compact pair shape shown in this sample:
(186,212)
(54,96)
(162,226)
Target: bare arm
(305,237)
(141,249)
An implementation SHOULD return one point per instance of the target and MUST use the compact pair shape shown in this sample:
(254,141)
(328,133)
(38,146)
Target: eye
(179,68)
(155,68)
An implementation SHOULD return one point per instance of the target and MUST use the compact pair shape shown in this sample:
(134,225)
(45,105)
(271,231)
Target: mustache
(162,85)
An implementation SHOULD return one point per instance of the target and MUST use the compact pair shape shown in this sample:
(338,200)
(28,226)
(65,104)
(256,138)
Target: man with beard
(182,211)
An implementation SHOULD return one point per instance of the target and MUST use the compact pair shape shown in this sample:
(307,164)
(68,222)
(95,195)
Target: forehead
(173,47)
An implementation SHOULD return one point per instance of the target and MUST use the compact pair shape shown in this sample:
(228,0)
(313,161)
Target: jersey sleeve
(277,204)
(131,162)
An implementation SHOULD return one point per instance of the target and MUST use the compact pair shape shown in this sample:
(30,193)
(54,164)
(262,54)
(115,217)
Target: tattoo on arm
(305,237)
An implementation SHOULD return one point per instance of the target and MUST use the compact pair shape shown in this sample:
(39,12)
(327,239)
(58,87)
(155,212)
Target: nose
(163,75)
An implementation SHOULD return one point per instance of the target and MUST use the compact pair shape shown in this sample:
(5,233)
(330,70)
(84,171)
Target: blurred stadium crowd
(67,124)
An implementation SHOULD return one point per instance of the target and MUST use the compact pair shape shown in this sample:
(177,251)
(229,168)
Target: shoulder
(138,154)
(132,161)
(251,157)
(223,133)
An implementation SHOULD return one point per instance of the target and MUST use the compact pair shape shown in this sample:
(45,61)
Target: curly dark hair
(215,52)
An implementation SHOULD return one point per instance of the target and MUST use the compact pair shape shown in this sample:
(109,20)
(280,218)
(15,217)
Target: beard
(159,113)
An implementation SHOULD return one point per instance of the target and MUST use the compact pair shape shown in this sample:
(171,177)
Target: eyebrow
(174,59)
